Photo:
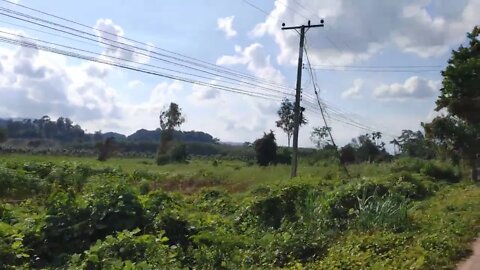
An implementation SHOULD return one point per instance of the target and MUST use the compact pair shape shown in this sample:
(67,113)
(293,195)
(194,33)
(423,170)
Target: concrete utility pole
(303,30)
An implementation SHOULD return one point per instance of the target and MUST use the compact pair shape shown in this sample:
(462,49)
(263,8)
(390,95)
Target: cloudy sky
(367,59)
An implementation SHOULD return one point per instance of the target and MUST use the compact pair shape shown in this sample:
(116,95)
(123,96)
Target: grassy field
(79,213)
(231,174)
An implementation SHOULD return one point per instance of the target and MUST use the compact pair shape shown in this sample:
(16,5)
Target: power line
(376,66)
(146,71)
(133,51)
(339,113)
(379,70)
(323,115)
(190,60)
(256,7)
(122,59)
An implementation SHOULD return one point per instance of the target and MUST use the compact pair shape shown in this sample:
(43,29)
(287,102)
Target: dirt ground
(473,262)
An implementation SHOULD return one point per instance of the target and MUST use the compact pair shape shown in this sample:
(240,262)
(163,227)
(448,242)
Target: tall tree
(105,148)
(3,135)
(414,144)
(319,136)
(286,122)
(266,149)
(460,97)
(169,119)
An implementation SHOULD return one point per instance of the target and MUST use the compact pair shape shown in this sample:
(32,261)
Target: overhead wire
(125,47)
(133,68)
(188,59)
(329,131)
(115,58)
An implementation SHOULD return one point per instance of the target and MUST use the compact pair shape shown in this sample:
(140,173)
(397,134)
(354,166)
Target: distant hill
(115,135)
(63,130)
(143,135)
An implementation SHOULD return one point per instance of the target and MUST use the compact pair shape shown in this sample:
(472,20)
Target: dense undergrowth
(408,214)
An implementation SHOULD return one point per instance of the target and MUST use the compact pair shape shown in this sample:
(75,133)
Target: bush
(266,149)
(126,250)
(284,157)
(72,224)
(284,204)
(441,171)
(19,184)
(176,153)
(176,227)
(12,251)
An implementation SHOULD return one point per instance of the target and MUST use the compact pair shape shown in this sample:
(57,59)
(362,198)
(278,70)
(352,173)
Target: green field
(78,213)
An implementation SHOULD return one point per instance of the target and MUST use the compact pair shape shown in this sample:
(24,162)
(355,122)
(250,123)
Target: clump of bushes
(176,153)
(13,253)
(128,250)
(441,171)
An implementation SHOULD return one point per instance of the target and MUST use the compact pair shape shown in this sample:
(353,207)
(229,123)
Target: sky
(244,36)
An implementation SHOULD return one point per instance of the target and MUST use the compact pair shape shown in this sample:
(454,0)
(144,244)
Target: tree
(169,119)
(458,131)
(266,149)
(105,148)
(3,135)
(319,136)
(286,113)
(457,138)
(414,144)
(347,154)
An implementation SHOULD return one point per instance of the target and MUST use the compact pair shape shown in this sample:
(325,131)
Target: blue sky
(235,35)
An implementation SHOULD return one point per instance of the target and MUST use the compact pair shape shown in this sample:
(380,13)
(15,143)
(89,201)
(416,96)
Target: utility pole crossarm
(299,27)
(297,115)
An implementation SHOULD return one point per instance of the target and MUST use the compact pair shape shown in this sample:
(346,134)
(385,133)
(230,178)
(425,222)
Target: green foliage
(179,153)
(286,113)
(19,184)
(387,212)
(231,216)
(459,94)
(284,157)
(13,253)
(414,144)
(3,135)
(441,171)
(128,250)
(266,149)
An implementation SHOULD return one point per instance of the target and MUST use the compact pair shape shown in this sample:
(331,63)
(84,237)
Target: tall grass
(387,212)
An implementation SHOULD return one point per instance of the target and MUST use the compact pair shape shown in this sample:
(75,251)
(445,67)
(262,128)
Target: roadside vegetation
(354,207)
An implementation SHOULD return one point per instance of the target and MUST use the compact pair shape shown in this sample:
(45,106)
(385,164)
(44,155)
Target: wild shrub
(113,207)
(72,224)
(220,250)
(407,164)
(156,202)
(18,184)
(176,227)
(284,157)
(441,171)
(127,250)
(13,253)
(284,204)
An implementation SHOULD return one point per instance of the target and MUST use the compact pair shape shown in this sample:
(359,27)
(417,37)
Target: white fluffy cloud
(225,25)
(354,91)
(112,38)
(355,30)
(413,88)
(256,61)
(36,83)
